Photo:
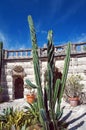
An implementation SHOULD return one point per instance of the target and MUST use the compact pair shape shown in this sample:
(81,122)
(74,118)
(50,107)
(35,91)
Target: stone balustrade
(14,54)
(76,48)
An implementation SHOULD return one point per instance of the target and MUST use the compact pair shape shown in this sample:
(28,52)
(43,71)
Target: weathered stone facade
(23,58)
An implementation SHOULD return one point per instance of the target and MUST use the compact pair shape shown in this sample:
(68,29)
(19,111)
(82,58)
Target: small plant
(73,90)
(33,111)
(30,90)
(31,95)
(73,86)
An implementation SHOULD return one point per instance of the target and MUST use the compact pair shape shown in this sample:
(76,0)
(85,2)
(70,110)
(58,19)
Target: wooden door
(18,88)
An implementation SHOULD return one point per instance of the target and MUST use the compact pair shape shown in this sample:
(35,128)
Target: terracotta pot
(30,98)
(74,101)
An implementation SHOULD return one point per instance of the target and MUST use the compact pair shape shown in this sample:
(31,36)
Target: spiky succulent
(50,112)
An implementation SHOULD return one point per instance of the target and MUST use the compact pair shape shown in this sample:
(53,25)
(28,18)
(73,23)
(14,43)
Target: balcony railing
(76,48)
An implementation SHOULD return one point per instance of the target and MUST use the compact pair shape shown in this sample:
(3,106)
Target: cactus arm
(56,90)
(36,66)
(34,52)
(50,67)
(65,72)
(36,61)
(59,114)
(31,84)
(46,103)
(64,77)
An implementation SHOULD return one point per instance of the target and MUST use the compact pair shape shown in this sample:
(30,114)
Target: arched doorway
(18,88)
(18,75)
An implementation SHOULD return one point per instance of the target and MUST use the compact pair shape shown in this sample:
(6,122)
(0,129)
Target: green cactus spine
(36,61)
(36,66)
(50,114)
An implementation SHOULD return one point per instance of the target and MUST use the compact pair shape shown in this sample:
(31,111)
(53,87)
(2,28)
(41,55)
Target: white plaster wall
(77,66)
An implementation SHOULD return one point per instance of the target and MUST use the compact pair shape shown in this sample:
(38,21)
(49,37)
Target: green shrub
(11,118)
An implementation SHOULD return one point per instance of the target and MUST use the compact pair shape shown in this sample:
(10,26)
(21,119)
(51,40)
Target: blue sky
(67,19)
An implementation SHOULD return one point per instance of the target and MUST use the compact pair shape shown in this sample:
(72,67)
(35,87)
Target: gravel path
(76,116)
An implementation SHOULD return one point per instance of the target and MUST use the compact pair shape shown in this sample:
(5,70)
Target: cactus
(52,94)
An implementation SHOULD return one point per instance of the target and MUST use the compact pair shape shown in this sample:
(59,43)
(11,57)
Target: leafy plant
(14,119)
(73,86)
(31,90)
(33,111)
(47,99)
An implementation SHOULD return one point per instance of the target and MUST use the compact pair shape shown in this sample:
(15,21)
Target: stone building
(16,66)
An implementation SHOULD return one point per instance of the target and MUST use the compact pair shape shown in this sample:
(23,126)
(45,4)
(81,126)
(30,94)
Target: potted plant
(73,89)
(30,96)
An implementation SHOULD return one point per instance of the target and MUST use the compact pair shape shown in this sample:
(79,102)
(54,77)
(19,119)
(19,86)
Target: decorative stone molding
(18,71)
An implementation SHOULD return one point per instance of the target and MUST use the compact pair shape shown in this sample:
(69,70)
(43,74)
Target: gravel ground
(75,116)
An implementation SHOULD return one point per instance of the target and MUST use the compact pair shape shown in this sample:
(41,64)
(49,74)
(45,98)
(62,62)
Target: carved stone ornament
(18,71)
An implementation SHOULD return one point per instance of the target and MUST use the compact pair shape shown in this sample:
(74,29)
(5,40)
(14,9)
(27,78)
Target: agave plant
(33,111)
(50,113)
(11,119)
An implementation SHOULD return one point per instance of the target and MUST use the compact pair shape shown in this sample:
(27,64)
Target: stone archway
(18,75)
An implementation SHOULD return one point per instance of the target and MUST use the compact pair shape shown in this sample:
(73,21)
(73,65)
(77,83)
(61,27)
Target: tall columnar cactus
(52,95)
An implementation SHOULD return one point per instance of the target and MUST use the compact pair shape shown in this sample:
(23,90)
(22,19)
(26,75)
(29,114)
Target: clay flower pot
(74,101)
(30,98)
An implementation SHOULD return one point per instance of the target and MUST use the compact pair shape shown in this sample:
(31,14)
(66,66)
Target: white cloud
(44,32)
(81,38)
(39,30)
(8,44)
(18,46)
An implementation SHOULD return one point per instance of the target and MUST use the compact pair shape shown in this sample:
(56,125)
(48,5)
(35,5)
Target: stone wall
(7,78)
(77,66)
